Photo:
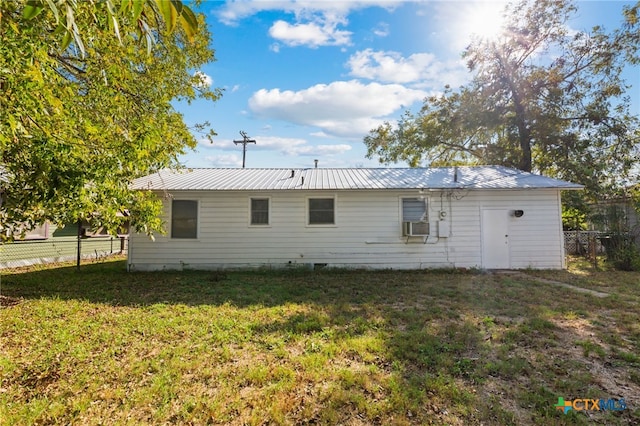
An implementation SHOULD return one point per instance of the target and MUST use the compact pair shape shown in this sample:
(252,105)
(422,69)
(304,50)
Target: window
(259,211)
(38,233)
(414,210)
(321,211)
(414,217)
(184,219)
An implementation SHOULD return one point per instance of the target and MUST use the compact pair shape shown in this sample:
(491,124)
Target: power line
(245,140)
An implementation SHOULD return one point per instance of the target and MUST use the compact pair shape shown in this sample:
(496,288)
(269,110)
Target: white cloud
(297,146)
(323,150)
(224,160)
(205,81)
(282,145)
(315,23)
(355,128)
(342,108)
(234,11)
(381,30)
(391,67)
(312,34)
(267,142)
(223,144)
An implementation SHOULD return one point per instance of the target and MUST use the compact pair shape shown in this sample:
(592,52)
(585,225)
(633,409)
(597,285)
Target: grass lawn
(103,346)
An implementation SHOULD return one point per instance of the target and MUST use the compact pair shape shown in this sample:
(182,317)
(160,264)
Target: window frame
(197,230)
(308,211)
(250,220)
(40,232)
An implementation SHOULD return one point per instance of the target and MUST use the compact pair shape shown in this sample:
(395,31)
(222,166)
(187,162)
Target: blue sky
(308,79)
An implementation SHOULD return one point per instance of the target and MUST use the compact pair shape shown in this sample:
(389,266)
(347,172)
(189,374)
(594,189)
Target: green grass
(103,346)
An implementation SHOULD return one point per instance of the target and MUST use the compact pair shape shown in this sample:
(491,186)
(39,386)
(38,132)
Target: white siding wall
(367,232)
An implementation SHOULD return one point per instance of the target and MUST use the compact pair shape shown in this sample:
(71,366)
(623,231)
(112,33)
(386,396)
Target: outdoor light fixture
(518,213)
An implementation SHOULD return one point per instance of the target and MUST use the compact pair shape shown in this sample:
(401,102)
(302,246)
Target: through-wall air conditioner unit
(415,229)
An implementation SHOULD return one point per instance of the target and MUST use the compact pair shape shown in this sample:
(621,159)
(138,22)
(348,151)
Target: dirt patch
(6,301)
(590,364)
(612,378)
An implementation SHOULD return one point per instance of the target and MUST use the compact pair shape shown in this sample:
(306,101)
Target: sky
(308,80)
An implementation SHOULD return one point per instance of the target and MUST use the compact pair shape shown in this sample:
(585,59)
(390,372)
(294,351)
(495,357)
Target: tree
(144,13)
(78,125)
(540,98)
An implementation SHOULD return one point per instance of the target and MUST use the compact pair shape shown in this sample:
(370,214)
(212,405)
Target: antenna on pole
(245,140)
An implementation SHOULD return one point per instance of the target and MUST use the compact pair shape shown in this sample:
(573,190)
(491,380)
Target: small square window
(259,211)
(321,211)
(184,219)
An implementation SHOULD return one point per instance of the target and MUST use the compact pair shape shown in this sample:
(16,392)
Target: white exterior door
(495,239)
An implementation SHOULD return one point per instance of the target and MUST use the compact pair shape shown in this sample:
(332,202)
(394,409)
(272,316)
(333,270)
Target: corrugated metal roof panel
(478,177)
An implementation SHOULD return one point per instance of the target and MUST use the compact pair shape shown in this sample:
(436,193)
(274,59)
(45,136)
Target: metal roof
(462,177)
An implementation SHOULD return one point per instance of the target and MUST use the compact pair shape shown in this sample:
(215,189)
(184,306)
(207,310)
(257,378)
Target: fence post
(79,244)
(593,256)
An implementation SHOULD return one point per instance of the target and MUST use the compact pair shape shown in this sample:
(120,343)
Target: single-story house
(489,217)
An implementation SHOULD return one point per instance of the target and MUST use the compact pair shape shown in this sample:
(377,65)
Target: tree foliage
(79,122)
(144,14)
(541,98)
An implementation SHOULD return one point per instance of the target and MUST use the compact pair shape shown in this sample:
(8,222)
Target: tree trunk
(524,136)
(524,133)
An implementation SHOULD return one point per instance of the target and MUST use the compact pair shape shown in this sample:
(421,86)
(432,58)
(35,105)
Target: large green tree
(84,108)
(541,98)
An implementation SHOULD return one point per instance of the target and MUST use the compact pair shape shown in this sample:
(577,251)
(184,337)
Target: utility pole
(245,140)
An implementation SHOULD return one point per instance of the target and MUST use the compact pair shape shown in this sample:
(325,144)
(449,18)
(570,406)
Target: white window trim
(198,219)
(32,236)
(259,225)
(335,211)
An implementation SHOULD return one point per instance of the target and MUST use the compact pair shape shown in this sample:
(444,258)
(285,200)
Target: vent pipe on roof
(293,173)
(316,163)
(302,180)
(455,174)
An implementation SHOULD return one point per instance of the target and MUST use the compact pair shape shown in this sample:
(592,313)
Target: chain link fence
(62,249)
